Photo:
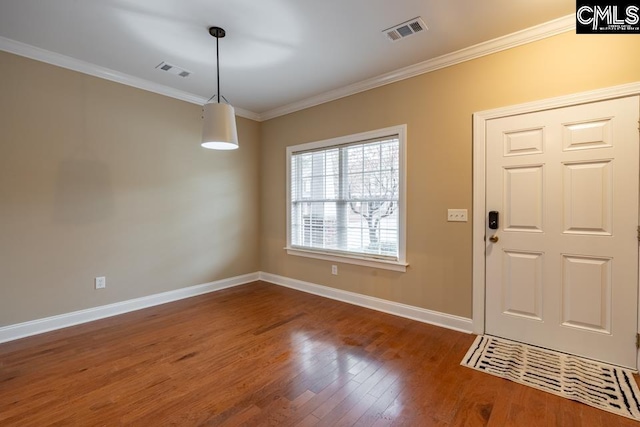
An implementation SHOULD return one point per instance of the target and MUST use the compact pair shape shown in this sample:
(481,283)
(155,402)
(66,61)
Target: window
(346,199)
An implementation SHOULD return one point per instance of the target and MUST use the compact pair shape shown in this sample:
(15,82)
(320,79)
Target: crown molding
(42,55)
(247,114)
(529,35)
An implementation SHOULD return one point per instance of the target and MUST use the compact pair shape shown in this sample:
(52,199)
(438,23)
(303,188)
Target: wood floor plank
(260,354)
(309,421)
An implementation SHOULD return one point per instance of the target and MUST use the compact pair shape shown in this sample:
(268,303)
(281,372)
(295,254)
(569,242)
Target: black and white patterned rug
(597,384)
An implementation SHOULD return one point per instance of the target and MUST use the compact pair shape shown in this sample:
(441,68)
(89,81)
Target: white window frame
(368,261)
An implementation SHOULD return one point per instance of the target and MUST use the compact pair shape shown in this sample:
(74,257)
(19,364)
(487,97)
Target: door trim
(479,176)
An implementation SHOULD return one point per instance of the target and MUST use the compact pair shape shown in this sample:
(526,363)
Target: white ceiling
(276,52)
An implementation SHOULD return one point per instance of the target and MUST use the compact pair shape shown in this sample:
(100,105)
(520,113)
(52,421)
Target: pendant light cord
(218,66)
(218,33)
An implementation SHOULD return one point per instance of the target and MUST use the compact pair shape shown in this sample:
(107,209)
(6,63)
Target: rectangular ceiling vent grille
(172,69)
(406,29)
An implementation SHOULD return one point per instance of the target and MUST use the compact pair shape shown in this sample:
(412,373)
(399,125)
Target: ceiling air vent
(163,66)
(406,29)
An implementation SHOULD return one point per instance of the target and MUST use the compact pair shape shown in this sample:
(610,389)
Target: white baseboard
(34,327)
(444,320)
(47,324)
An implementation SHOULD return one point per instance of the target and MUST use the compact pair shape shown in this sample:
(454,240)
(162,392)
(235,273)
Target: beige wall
(438,108)
(98,178)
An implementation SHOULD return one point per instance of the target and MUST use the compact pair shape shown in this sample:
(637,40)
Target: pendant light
(219,128)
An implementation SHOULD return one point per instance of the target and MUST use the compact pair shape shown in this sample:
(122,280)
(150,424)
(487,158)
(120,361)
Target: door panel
(563,272)
(586,293)
(523,142)
(587,135)
(522,280)
(523,198)
(588,198)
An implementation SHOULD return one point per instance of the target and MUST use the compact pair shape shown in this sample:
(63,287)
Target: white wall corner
(457,323)
(39,326)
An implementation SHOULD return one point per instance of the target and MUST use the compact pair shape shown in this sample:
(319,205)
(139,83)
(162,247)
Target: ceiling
(276,52)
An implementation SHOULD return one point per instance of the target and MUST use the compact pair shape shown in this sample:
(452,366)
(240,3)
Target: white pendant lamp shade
(219,128)
(219,125)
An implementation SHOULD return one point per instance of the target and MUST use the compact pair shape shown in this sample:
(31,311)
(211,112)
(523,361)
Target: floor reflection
(350,377)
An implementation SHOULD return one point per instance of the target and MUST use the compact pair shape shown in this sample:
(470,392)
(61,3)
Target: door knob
(494,238)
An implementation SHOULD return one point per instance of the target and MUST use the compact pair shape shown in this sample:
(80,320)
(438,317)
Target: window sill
(346,259)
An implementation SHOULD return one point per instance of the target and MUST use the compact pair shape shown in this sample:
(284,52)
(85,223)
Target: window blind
(344,198)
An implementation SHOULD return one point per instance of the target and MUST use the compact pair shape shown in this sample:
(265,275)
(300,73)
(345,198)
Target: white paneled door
(562,266)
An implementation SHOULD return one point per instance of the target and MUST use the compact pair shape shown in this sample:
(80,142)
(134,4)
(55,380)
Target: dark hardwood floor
(260,354)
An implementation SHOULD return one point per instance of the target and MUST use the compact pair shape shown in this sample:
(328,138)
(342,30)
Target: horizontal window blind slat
(355,200)
(389,138)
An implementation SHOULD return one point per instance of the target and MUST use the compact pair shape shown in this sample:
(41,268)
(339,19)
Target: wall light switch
(457,215)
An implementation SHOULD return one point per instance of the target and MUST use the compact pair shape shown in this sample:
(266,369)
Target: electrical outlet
(101,282)
(457,215)
(334,270)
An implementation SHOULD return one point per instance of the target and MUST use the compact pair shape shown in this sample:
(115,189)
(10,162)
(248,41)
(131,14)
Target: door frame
(479,179)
